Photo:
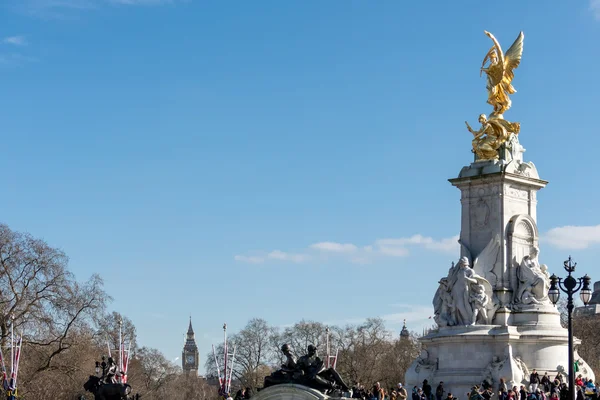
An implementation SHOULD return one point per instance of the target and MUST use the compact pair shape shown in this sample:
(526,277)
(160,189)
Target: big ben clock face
(190,359)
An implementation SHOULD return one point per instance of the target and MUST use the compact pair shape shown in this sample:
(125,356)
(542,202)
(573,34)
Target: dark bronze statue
(106,387)
(107,391)
(309,371)
(286,373)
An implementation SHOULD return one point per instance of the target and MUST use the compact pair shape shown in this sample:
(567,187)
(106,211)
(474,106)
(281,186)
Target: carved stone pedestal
(463,356)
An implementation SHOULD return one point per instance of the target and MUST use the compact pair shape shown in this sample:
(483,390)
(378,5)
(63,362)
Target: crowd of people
(539,388)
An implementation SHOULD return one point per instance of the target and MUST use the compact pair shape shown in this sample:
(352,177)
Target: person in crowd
(554,386)
(543,395)
(475,395)
(439,391)
(415,393)
(534,381)
(539,394)
(579,395)
(515,391)
(545,382)
(378,392)
(554,395)
(579,381)
(523,393)
(402,395)
(564,392)
(450,397)
(427,389)
(502,386)
(421,394)
(559,377)
(510,395)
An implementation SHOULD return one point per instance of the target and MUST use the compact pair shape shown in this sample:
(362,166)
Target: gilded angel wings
(500,72)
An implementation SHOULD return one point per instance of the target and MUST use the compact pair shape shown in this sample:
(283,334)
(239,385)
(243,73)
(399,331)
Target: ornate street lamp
(570,286)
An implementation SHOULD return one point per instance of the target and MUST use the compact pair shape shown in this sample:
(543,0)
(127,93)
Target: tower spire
(190,358)
(190,331)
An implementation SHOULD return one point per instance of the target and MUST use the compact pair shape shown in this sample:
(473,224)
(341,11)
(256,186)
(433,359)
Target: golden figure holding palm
(500,73)
(499,68)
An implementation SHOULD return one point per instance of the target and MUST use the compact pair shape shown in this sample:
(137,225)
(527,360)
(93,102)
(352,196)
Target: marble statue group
(466,298)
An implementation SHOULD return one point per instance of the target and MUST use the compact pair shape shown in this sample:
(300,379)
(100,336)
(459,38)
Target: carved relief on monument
(511,368)
(529,279)
(480,214)
(516,193)
(464,297)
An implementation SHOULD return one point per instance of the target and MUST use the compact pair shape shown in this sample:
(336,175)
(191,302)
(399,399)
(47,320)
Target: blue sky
(232,160)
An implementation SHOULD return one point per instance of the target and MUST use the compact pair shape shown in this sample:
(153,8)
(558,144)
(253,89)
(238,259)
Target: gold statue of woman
(495,131)
(500,73)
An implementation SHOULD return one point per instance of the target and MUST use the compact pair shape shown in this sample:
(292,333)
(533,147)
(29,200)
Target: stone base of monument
(290,391)
(463,356)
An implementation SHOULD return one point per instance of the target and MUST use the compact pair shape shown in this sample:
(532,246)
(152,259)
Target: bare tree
(253,353)
(42,299)
(151,374)
(303,333)
(108,332)
(586,329)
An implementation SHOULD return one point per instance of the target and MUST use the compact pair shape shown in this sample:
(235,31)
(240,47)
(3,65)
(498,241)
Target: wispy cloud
(417,316)
(283,256)
(262,257)
(15,40)
(334,247)
(595,8)
(398,247)
(573,237)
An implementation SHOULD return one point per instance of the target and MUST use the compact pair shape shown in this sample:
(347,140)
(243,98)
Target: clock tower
(190,358)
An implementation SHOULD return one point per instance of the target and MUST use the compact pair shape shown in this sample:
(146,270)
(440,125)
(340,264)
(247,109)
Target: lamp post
(570,286)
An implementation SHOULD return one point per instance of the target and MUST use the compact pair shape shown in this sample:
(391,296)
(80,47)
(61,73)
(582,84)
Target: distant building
(593,308)
(404,333)
(190,358)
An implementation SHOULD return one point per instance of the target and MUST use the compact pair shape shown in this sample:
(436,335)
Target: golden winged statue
(500,72)
(496,131)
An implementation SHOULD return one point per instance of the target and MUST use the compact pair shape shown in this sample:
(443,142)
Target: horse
(106,391)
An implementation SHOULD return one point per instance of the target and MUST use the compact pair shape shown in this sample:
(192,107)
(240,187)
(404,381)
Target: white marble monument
(492,310)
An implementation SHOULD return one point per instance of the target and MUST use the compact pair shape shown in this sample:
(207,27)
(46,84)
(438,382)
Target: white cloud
(393,251)
(595,8)
(398,247)
(273,255)
(15,40)
(334,247)
(283,256)
(573,237)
